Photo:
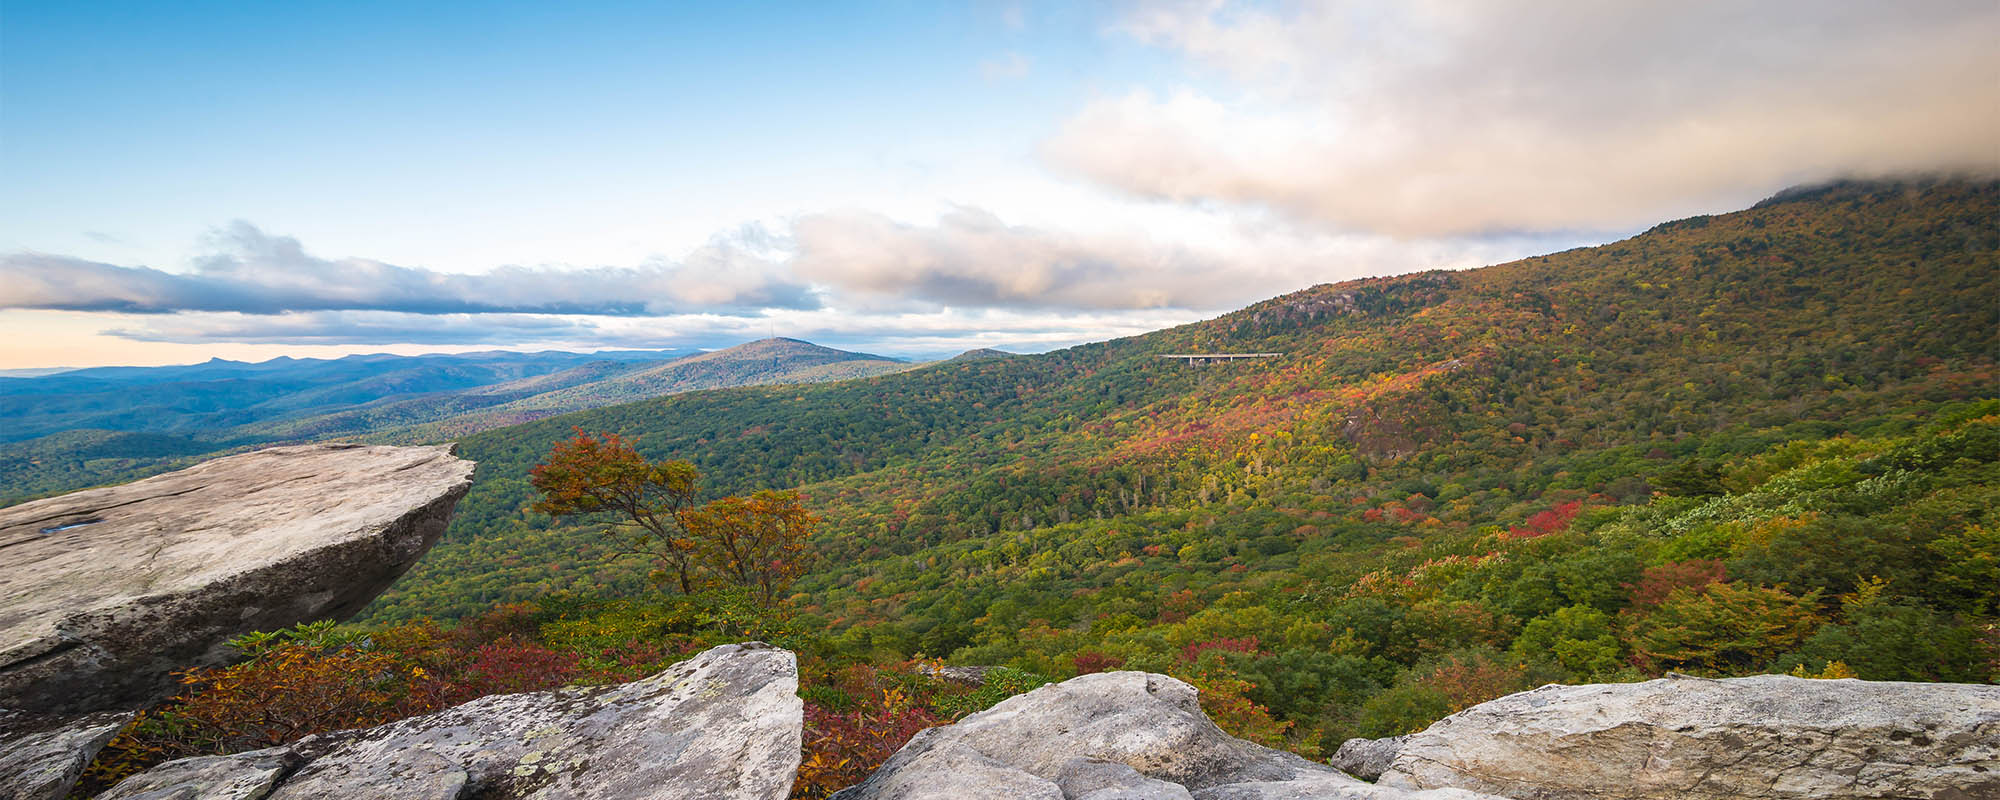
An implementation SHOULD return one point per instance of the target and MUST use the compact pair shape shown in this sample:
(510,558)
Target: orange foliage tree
(756,542)
(595,475)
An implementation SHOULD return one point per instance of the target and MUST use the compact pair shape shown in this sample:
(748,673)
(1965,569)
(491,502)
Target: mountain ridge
(120,423)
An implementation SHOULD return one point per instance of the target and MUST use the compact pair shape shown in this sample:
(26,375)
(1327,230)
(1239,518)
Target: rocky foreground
(105,593)
(1109,736)
(1768,736)
(725,724)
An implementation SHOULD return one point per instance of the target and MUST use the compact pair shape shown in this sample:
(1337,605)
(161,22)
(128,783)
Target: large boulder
(1769,736)
(43,755)
(725,724)
(105,593)
(1108,736)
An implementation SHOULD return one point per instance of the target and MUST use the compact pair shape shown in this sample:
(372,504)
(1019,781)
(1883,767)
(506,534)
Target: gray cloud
(970,258)
(252,272)
(1434,117)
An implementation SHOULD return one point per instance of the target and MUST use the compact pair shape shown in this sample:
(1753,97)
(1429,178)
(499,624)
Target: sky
(183,181)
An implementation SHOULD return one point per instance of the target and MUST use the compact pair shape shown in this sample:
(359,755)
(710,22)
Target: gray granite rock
(405,775)
(1108,736)
(1769,736)
(42,755)
(1366,758)
(725,724)
(105,593)
(1329,787)
(1097,779)
(243,776)
(953,771)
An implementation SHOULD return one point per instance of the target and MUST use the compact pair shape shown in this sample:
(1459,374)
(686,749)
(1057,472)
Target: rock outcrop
(1769,736)
(1366,759)
(1108,736)
(42,755)
(105,593)
(725,724)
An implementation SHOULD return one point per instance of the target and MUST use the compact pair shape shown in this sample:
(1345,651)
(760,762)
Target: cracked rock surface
(105,593)
(1108,736)
(42,755)
(725,724)
(1769,736)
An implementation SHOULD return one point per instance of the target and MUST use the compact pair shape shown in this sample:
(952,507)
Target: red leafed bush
(1657,582)
(510,665)
(1553,520)
(842,749)
(1087,663)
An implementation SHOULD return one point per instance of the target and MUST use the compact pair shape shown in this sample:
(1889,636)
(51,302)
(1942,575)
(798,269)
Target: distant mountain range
(87,426)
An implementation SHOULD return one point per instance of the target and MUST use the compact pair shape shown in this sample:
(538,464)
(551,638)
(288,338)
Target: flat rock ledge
(1769,736)
(1108,736)
(725,724)
(43,755)
(105,593)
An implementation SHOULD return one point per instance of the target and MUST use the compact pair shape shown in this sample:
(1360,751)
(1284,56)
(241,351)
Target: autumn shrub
(842,748)
(1657,582)
(1721,628)
(318,677)
(1468,677)
(287,692)
(1093,661)
(859,715)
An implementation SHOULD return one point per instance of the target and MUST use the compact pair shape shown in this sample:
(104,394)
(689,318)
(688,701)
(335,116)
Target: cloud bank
(852,278)
(252,272)
(1432,117)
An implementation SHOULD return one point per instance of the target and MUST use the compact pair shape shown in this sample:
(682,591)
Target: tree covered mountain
(1759,440)
(220,394)
(84,427)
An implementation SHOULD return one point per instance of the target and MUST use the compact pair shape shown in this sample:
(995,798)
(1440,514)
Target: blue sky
(186,180)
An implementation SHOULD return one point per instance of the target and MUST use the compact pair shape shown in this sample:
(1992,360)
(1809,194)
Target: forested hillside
(1760,441)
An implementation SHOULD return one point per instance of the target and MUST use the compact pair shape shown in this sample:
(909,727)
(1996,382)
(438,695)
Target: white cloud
(249,271)
(1430,117)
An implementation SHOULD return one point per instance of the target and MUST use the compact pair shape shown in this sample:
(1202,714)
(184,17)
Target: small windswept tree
(649,502)
(756,542)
